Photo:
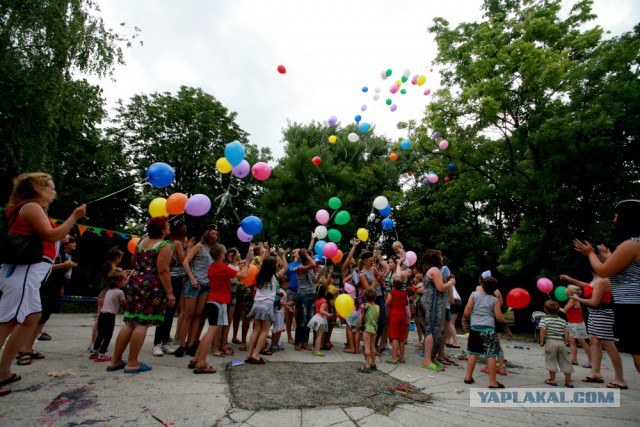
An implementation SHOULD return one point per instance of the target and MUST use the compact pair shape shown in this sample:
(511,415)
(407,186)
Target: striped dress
(601,318)
(625,284)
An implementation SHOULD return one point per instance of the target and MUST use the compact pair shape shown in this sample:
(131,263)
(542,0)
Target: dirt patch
(279,385)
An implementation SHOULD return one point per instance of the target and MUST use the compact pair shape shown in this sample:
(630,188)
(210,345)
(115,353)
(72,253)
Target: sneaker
(179,352)
(103,358)
(388,346)
(168,349)
(318,353)
(157,350)
(93,355)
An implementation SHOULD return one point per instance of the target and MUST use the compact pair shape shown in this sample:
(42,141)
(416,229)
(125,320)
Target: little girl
(113,299)
(577,328)
(278,323)
(398,301)
(368,325)
(318,322)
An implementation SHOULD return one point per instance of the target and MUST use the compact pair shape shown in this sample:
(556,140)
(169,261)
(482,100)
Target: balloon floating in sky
(452,166)
(363,234)
(389,72)
(518,298)
(316,160)
(332,121)
(158,207)
(432,178)
(261,171)
(393,107)
(387,224)
(393,88)
(176,203)
(352,137)
(251,225)
(427,92)
(405,145)
(436,135)
(363,107)
(335,203)
(321,232)
(403,91)
(444,144)
(234,153)
(386,211)
(365,89)
(333,139)
(357,118)
(393,157)
(421,80)
(223,165)
(545,285)
(447,179)
(241,170)
(376,97)
(364,127)
(380,202)
(322,216)
(342,217)
(412,257)
(282,69)
(160,175)
(388,101)
(383,74)
(242,236)
(197,205)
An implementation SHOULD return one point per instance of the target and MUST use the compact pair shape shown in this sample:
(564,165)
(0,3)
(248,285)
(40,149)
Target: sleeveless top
(200,265)
(372,281)
(483,310)
(574,315)
(305,283)
(605,301)
(625,284)
(22,227)
(178,269)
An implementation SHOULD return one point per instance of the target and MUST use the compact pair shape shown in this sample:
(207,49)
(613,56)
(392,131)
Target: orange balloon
(176,203)
(393,157)
(337,257)
(133,243)
(251,275)
(410,173)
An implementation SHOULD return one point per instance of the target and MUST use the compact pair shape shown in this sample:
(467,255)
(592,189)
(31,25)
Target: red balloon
(447,179)
(316,160)
(281,69)
(518,298)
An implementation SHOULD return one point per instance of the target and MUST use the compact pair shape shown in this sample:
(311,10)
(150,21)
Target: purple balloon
(363,107)
(197,205)
(436,135)
(241,170)
(242,236)
(394,107)
(332,121)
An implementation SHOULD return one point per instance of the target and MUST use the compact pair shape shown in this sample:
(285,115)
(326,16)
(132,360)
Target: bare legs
(20,334)
(133,336)
(258,337)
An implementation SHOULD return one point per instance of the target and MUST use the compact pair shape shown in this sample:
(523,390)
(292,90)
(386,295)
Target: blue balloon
(436,135)
(318,248)
(405,145)
(251,225)
(160,175)
(452,166)
(357,118)
(234,152)
(386,211)
(318,258)
(365,89)
(364,127)
(387,224)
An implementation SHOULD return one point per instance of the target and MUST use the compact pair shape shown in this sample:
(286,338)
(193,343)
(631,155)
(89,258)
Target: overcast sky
(330,48)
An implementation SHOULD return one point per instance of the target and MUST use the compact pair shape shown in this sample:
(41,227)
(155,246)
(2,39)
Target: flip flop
(592,380)
(235,341)
(618,386)
(569,385)
(500,385)
(390,362)
(143,368)
(12,379)
(24,360)
(192,364)
(228,351)
(206,369)
(218,353)
(432,367)
(35,355)
(551,383)
(445,361)
(4,391)
(117,367)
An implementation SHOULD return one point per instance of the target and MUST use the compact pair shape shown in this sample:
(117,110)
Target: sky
(331,50)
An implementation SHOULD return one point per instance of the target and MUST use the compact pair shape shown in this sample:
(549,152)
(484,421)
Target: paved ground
(86,394)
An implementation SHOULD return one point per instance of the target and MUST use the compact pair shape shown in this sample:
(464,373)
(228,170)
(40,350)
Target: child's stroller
(536,317)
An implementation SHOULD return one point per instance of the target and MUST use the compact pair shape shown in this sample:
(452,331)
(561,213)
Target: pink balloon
(197,205)
(242,236)
(393,88)
(330,250)
(383,74)
(432,178)
(427,92)
(394,107)
(444,144)
(322,216)
(241,170)
(545,285)
(261,171)
(411,258)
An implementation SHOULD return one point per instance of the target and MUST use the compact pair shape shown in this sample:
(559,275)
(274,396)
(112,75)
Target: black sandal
(24,360)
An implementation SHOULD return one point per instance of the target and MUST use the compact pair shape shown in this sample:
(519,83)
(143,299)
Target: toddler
(113,299)
(368,324)
(554,332)
(318,322)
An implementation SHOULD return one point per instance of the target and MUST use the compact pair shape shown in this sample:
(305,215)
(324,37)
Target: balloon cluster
(330,249)
(233,161)
(384,208)
(249,227)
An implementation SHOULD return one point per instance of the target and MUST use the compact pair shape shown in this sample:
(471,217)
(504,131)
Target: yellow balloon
(421,80)
(344,305)
(158,207)
(333,139)
(223,165)
(331,289)
(363,234)
(398,83)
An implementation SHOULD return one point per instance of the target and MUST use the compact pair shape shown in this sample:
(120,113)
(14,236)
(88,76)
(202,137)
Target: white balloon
(377,90)
(376,97)
(353,137)
(380,202)
(321,231)
(406,73)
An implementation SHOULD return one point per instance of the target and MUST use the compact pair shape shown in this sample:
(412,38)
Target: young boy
(368,324)
(220,276)
(554,333)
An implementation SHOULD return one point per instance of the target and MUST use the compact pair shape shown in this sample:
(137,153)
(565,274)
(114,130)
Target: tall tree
(188,131)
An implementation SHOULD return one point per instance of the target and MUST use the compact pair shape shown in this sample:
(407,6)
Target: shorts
(484,342)
(291,295)
(190,292)
(352,320)
(217,313)
(20,290)
(626,318)
(556,355)
(578,331)
(457,308)
(234,299)
(262,311)
(447,315)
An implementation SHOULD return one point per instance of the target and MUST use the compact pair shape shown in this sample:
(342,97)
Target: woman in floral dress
(148,293)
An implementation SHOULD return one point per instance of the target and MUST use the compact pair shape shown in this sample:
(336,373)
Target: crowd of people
(275,295)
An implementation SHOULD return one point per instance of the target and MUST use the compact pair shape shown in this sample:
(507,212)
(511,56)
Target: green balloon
(559,293)
(404,79)
(388,101)
(335,203)
(342,217)
(388,73)
(334,235)
(403,91)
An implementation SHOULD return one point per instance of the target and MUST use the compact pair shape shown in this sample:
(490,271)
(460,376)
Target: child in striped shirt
(554,334)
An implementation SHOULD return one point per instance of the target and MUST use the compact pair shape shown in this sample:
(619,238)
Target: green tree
(542,132)
(189,131)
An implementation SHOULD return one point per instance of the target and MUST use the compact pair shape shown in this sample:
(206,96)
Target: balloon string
(115,192)
(325,180)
